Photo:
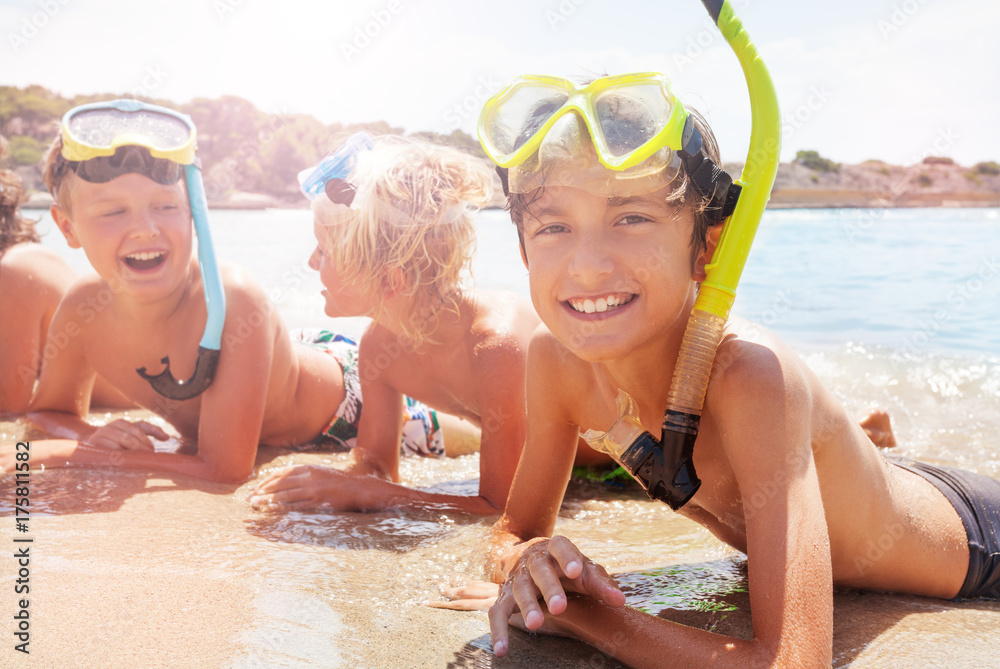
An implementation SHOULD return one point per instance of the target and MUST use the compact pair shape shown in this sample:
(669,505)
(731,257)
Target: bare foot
(878,428)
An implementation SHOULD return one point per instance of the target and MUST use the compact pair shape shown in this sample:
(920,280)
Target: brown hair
(682,191)
(54,171)
(14,228)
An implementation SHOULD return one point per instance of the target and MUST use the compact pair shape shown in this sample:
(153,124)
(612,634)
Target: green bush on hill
(25,150)
(990,167)
(814,161)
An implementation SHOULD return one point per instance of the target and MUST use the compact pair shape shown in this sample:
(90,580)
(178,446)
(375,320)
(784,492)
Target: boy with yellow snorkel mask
(127,188)
(617,204)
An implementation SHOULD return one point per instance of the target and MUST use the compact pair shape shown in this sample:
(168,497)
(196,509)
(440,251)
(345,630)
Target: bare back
(888,528)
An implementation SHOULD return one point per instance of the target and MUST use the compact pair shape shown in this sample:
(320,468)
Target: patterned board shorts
(421,432)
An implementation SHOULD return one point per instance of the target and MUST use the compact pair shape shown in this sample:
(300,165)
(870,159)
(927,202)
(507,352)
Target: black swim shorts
(976,498)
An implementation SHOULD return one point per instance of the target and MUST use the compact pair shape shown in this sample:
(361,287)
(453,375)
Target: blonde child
(398,249)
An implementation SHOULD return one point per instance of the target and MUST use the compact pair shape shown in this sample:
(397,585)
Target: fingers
(282,499)
(472,590)
(567,555)
(126,435)
(587,576)
(546,576)
(598,583)
(278,480)
(499,615)
(462,604)
(155,431)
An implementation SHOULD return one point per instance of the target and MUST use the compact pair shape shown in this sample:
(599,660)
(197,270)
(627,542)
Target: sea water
(892,308)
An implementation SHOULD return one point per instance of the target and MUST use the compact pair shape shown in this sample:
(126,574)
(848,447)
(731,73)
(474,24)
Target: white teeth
(601,304)
(145,255)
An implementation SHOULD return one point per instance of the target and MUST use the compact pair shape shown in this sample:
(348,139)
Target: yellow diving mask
(617,136)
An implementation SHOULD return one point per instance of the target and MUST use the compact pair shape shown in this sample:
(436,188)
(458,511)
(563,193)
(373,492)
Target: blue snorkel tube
(215,302)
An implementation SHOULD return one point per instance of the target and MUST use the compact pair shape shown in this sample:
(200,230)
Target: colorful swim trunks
(421,432)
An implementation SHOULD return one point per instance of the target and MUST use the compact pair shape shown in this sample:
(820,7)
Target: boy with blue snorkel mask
(127,187)
(619,237)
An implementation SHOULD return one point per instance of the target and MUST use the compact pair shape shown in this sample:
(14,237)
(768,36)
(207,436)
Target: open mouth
(601,304)
(145,260)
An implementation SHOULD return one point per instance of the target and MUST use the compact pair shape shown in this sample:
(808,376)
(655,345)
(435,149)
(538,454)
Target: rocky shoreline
(871,184)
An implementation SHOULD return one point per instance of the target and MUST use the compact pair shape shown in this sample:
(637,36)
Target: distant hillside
(933,183)
(250,158)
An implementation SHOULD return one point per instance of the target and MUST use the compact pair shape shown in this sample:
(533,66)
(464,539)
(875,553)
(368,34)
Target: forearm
(61,453)
(61,424)
(642,640)
(378,494)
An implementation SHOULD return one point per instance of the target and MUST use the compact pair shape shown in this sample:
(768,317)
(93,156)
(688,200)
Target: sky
(894,80)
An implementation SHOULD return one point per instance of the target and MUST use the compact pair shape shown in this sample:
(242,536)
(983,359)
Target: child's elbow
(228,473)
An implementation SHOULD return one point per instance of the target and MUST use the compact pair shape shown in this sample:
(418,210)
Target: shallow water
(140,570)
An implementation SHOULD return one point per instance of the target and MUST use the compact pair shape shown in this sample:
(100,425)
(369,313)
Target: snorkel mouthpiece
(204,373)
(663,468)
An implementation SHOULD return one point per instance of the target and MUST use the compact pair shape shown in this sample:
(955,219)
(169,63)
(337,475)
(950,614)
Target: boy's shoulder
(503,314)
(34,265)
(753,364)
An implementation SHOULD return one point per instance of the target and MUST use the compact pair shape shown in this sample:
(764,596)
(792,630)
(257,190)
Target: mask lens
(128,160)
(630,116)
(100,128)
(515,119)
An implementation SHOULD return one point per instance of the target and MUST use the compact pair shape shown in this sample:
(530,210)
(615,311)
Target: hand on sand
(125,435)
(548,569)
(306,487)
(472,596)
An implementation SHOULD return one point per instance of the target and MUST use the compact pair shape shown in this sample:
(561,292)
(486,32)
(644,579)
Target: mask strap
(708,178)
(504,175)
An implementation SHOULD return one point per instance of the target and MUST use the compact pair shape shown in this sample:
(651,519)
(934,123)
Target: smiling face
(136,233)
(609,276)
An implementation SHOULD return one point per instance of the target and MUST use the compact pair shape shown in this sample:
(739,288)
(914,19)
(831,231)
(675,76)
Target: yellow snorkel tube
(665,468)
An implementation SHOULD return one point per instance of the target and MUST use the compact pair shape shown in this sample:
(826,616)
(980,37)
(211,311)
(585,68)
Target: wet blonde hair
(410,229)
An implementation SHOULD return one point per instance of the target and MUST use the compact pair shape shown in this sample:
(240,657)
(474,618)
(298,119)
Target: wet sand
(142,570)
